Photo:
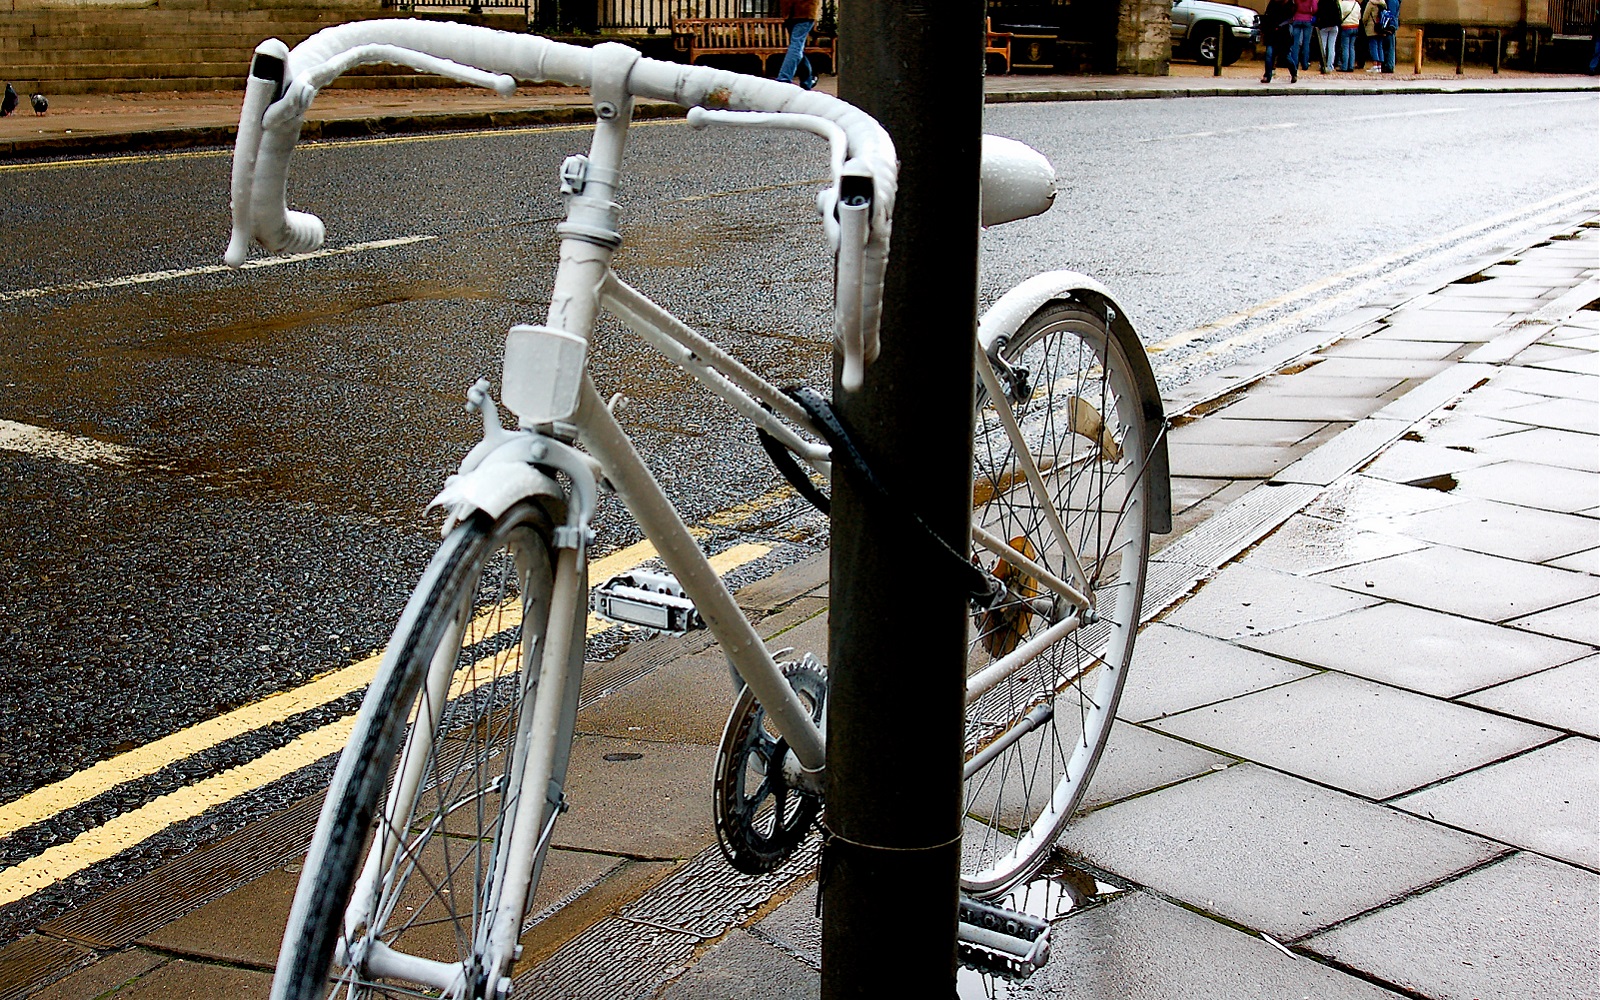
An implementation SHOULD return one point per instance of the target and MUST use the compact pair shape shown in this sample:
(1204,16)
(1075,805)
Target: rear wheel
(1033,738)
(428,805)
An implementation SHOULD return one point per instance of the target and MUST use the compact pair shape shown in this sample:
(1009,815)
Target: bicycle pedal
(653,600)
(1001,942)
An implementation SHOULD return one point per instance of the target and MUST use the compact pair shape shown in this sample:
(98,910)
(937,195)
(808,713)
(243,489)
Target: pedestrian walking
(1327,23)
(1301,29)
(1349,26)
(1275,36)
(1369,24)
(799,16)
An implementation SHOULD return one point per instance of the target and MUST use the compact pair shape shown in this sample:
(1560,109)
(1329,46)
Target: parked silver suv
(1194,29)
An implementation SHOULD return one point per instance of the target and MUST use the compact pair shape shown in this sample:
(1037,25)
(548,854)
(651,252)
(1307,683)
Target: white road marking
(43,442)
(188,272)
(1376,267)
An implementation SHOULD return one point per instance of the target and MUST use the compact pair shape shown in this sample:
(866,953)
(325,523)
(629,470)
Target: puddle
(1592,306)
(1565,236)
(1444,484)
(614,757)
(1472,279)
(1057,891)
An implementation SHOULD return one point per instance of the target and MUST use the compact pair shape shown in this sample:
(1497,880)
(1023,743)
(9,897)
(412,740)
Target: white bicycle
(442,806)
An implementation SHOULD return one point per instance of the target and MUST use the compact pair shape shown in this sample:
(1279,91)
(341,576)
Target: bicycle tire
(1080,415)
(479,612)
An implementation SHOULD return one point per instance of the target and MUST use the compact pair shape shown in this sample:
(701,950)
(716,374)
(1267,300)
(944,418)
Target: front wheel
(429,804)
(1034,737)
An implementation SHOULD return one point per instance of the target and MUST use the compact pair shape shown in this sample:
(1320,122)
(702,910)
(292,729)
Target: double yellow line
(133,827)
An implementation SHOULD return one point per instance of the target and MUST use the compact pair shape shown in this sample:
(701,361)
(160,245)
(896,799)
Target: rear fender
(1014,308)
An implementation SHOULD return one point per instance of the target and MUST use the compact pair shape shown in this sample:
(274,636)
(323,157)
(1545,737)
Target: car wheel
(1205,45)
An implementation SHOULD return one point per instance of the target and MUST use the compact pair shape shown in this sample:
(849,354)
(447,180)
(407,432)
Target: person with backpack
(1327,23)
(1275,36)
(1369,24)
(1301,28)
(1349,25)
(1389,26)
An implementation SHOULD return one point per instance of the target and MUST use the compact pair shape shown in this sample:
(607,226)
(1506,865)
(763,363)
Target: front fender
(1015,307)
(502,479)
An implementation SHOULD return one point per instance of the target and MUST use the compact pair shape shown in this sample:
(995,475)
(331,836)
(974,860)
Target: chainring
(760,819)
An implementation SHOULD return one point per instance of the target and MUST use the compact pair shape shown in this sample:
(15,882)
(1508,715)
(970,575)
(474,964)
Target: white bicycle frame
(547,384)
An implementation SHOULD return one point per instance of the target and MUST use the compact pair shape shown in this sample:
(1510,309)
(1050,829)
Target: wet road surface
(275,433)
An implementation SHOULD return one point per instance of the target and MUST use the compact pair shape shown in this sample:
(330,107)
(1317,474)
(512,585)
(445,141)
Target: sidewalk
(1356,757)
(98,123)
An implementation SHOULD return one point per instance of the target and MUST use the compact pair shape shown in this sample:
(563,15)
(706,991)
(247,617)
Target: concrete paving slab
(1500,305)
(101,978)
(1350,733)
(1578,621)
(1415,462)
(1343,377)
(1520,286)
(686,701)
(1499,529)
(1465,429)
(1137,760)
(795,927)
(1270,851)
(1537,381)
(1175,670)
(1582,362)
(654,805)
(1562,414)
(1140,947)
(1188,491)
(1564,697)
(1493,398)
(1579,562)
(1416,350)
(1303,545)
(1454,328)
(1544,446)
(1370,375)
(1546,487)
(1243,600)
(186,980)
(1368,504)
(244,927)
(1425,651)
(1262,433)
(1229,461)
(1465,583)
(1287,406)
(743,967)
(1547,800)
(1514,930)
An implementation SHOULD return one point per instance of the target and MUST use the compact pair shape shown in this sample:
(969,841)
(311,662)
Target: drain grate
(190,882)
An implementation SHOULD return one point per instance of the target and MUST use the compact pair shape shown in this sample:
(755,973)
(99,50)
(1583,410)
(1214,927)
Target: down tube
(603,436)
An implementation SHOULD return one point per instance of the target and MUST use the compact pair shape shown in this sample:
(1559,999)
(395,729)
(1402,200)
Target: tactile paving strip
(652,940)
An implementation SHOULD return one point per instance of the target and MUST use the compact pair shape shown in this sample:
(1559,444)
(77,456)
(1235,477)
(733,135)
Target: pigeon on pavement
(40,103)
(8,103)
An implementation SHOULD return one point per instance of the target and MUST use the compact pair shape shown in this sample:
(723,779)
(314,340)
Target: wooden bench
(998,45)
(762,37)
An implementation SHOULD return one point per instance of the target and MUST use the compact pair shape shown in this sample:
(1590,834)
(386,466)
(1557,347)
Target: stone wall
(1144,37)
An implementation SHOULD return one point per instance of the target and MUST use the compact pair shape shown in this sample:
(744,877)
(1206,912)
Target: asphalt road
(226,496)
